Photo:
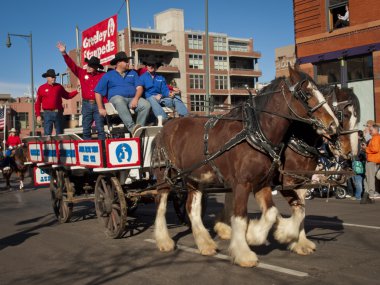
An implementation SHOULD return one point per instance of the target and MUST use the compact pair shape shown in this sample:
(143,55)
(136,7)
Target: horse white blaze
(161,233)
(202,237)
(317,94)
(239,250)
(258,229)
(354,137)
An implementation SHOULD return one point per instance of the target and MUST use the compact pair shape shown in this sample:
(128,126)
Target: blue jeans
(175,102)
(51,118)
(90,113)
(358,182)
(122,106)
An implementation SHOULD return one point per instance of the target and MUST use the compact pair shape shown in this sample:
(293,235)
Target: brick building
(347,56)
(233,61)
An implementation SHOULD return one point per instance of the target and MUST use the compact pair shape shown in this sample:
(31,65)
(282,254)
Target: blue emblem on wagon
(123,152)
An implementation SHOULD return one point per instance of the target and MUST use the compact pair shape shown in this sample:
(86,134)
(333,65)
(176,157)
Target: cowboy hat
(154,64)
(94,62)
(50,73)
(120,56)
(13,130)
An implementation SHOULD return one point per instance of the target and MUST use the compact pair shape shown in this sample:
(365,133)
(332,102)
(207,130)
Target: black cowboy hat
(156,64)
(94,62)
(50,73)
(120,56)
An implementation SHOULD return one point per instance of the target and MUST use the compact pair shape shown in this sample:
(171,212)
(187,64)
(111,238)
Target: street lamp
(9,44)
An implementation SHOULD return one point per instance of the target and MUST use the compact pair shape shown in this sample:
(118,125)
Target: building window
(196,61)
(221,82)
(195,41)
(220,63)
(238,100)
(337,10)
(217,103)
(198,103)
(360,68)
(23,120)
(328,72)
(242,82)
(196,81)
(146,38)
(220,44)
(237,46)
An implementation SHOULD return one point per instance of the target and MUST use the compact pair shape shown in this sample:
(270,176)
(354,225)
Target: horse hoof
(166,246)
(223,230)
(208,251)
(249,260)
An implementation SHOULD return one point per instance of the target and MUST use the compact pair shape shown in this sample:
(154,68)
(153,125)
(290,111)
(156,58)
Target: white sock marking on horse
(202,237)
(161,233)
(240,252)
(258,229)
(288,228)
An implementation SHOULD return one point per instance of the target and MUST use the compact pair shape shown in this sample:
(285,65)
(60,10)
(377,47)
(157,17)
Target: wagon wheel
(179,203)
(59,187)
(110,205)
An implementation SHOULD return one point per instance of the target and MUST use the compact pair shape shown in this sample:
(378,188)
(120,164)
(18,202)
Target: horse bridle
(303,97)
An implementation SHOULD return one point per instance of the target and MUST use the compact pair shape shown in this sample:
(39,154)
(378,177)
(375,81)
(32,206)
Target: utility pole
(207,62)
(129,30)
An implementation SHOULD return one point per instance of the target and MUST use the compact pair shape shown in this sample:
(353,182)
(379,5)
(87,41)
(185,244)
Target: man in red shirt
(13,139)
(88,80)
(50,95)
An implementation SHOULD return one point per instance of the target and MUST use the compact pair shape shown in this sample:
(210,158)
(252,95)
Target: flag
(2,118)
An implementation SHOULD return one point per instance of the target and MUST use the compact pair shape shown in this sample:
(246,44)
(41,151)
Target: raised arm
(70,63)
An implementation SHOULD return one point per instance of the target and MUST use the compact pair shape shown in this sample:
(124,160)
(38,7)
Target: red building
(347,56)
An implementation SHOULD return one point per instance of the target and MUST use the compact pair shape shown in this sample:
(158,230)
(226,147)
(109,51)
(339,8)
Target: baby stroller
(338,181)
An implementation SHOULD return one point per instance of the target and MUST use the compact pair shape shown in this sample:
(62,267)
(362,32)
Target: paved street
(35,249)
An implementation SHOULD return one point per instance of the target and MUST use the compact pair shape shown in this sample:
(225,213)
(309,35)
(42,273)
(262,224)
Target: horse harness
(252,133)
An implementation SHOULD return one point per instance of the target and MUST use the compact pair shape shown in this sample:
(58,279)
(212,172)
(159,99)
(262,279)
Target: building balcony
(239,90)
(246,54)
(245,72)
(154,47)
(168,69)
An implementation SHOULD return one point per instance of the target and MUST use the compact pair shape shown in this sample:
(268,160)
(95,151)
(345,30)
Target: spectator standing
(88,79)
(366,131)
(358,168)
(49,96)
(158,94)
(124,90)
(373,161)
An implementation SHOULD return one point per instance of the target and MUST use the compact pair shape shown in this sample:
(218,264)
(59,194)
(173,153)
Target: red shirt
(50,97)
(13,141)
(88,81)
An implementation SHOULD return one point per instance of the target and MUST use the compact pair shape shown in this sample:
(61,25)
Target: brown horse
(232,151)
(16,164)
(291,230)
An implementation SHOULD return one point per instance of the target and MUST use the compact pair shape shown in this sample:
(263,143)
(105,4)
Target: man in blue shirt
(123,89)
(158,94)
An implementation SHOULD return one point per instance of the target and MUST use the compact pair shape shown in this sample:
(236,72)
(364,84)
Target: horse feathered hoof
(166,245)
(247,261)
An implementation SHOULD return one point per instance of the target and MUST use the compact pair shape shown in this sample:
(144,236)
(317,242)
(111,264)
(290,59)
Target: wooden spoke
(110,205)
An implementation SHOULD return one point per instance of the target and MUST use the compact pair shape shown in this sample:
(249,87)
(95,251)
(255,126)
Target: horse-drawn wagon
(239,152)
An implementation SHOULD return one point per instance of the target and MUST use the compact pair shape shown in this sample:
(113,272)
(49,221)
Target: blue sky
(269,23)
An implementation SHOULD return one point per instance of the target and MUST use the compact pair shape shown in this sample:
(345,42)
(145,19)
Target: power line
(122,5)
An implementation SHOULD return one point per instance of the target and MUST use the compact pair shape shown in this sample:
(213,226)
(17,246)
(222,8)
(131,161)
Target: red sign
(100,41)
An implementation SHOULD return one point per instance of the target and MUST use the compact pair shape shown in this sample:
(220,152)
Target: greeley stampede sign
(100,41)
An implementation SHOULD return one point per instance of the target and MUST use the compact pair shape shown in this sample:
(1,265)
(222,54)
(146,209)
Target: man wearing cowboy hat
(124,90)
(88,79)
(50,95)
(13,139)
(158,94)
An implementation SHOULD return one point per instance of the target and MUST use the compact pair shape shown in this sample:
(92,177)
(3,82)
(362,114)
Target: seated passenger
(124,90)
(158,94)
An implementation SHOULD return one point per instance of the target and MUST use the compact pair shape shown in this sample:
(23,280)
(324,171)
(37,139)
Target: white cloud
(16,89)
